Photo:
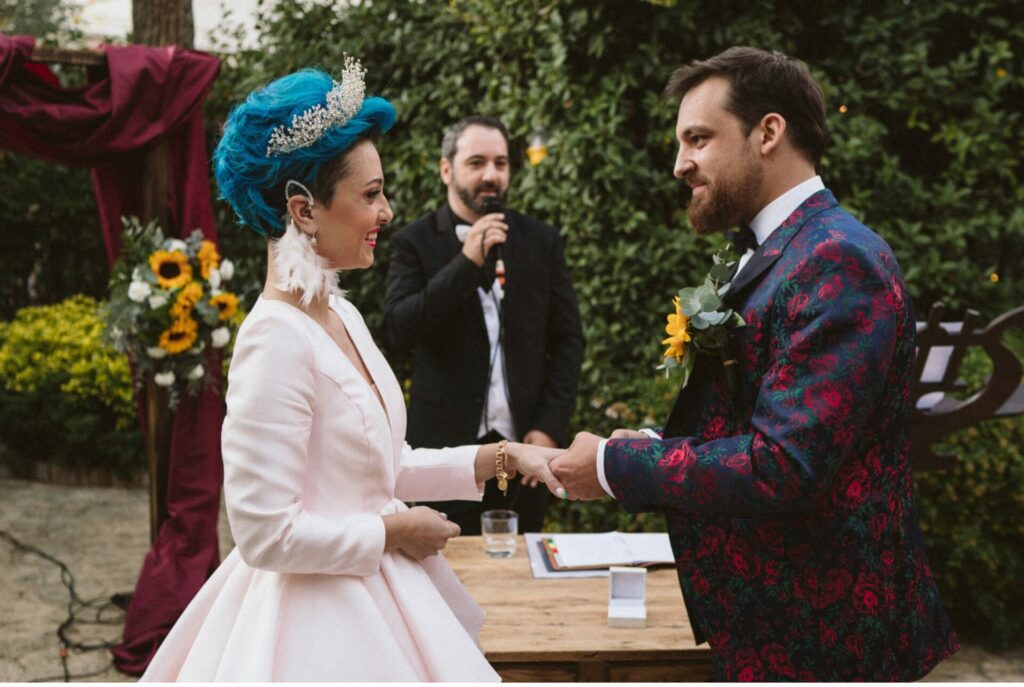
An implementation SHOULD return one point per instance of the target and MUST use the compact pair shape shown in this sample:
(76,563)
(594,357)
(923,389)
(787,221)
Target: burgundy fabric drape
(144,95)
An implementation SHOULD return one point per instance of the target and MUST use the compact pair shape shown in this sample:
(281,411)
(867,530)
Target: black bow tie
(743,239)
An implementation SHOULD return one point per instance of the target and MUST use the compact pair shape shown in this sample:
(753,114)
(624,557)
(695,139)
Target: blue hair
(249,179)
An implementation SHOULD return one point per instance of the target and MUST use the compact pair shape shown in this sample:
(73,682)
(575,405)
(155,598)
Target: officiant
(482,297)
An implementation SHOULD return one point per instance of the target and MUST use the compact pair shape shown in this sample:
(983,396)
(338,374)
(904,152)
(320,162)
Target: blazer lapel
(445,228)
(769,251)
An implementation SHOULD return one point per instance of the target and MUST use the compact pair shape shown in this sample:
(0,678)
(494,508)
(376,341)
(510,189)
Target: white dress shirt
(496,414)
(763,225)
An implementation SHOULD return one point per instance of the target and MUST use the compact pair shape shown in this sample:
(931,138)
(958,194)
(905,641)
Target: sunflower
(186,301)
(678,336)
(226,302)
(209,258)
(180,336)
(171,268)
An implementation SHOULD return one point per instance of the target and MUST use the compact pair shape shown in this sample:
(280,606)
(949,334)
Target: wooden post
(158,449)
(156,23)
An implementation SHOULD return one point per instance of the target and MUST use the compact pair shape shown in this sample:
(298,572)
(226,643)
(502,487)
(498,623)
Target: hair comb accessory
(343,103)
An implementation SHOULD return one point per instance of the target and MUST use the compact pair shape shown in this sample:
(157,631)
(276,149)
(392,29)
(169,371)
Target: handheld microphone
(491,205)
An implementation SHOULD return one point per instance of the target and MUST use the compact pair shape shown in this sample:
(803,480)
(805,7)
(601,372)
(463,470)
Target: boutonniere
(701,322)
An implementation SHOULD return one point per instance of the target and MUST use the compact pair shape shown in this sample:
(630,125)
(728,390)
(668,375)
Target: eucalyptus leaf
(689,304)
(698,322)
(721,272)
(709,300)
(715,317)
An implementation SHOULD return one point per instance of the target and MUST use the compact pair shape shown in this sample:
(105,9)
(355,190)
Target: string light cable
(76,609)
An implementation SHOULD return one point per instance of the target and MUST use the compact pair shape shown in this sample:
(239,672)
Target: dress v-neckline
(372,381)
(371,384)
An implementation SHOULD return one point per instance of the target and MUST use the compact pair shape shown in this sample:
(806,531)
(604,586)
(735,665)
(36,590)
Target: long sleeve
(270,402)
(426,474)
(417,309)
(833,333)
(564,352)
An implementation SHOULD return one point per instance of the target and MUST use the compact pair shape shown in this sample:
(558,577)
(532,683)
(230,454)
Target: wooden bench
(941,347)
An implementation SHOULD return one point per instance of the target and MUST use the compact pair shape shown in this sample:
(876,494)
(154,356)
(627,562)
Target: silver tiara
(343,103)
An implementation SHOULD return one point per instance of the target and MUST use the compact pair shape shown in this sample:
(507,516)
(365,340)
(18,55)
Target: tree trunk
(163,22)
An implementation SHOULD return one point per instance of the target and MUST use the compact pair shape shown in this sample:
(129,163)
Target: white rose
(155,352)
(226,269)
(197,372)
(219,337)
(157,300)
(164,378)
(214,278)
(176,244)
(138,291)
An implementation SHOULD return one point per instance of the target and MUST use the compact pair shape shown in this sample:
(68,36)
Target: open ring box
(627,592)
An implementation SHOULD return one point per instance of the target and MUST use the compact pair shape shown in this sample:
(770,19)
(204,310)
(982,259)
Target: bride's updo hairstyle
(297,128)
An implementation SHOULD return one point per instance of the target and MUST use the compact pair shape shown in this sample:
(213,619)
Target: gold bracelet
(500,467)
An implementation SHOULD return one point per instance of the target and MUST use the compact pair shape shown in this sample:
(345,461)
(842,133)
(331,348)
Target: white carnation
(164,378)
(214,278)
(220,336)
(197,372)
(138,291)
(226,269)
(157,300)
(155,352)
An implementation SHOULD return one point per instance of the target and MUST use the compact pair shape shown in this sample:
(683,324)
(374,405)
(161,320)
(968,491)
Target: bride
(333,577)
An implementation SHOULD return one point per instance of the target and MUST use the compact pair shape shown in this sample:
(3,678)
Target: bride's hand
(418,532)
(532,461)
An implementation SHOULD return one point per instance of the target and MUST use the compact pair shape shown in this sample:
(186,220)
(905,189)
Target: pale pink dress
(311,463)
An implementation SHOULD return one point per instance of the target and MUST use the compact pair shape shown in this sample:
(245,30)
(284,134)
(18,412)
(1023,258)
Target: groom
(789,501)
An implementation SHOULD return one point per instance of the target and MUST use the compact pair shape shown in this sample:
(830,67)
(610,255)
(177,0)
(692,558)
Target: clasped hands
(572,473)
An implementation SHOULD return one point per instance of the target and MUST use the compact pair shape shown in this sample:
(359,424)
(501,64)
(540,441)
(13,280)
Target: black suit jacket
(433,309)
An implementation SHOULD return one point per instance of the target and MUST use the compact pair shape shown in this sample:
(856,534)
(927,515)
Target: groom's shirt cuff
(600,460)
(600,468)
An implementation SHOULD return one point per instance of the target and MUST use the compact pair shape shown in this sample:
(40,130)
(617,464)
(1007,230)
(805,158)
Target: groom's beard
(726,202)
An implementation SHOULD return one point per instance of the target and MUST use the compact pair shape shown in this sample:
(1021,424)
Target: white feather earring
(297,266)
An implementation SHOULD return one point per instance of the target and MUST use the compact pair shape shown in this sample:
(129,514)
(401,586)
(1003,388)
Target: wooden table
(543,630)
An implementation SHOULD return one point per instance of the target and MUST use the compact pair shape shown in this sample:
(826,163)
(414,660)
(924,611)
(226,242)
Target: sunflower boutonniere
(169,305)
(701,322)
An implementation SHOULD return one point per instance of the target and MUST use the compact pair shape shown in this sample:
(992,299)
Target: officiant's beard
(726,202)
(473,198)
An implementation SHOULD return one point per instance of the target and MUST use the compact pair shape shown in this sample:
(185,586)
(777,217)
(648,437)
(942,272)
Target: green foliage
(970,515)
(970,518)
(65,397)
(51,246)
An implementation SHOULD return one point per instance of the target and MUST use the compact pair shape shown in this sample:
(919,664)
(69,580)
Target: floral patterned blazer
(790,501)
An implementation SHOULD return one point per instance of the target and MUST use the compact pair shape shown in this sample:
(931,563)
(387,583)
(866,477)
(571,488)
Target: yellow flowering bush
(169,305)
(65,395)
(65,342)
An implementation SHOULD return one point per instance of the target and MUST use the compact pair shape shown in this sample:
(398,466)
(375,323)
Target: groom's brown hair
(763,81)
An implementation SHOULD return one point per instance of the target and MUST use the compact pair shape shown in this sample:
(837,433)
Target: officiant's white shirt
(763,225)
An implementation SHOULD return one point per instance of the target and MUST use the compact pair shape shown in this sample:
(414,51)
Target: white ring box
(627,597)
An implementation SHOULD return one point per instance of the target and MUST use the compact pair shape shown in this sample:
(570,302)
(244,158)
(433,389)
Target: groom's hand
(576,469)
